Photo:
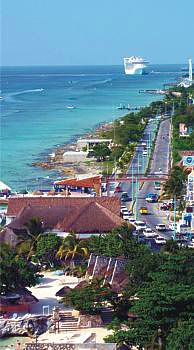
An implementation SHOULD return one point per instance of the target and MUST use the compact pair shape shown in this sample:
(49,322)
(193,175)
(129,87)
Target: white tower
(190,70)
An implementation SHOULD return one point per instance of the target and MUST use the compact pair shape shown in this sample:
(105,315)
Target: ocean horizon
(35,117)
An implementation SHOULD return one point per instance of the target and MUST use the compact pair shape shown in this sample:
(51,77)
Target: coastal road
(139,162)
(159,163)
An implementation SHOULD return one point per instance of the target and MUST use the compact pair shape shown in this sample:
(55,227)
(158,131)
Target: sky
(96,32)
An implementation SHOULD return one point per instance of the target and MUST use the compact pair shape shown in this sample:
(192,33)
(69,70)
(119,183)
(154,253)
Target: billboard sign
(188,161)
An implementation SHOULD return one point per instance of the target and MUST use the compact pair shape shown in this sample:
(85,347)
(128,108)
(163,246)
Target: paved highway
(160,161)
(159,165)
(139,162)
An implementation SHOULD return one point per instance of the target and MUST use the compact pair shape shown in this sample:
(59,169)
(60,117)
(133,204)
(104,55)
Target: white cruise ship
(134,64)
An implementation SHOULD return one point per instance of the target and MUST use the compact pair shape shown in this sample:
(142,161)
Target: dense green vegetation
(15,271)
(125,133)
(184,113)
(90,298)
(162,283)
(164,300)
(176,184)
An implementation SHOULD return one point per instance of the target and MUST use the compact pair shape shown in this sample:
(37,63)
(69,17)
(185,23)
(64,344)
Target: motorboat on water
(71,107)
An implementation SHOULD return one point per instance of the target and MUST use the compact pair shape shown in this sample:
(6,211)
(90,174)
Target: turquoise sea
(35,117)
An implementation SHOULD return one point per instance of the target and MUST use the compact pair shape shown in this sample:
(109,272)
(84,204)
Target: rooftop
(81,215)
(16,204)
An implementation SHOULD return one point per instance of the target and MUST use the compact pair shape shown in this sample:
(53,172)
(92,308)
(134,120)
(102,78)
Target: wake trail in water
(10,96)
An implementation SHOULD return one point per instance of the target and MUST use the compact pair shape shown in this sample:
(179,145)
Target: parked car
(161,227)
(143,210)
(160,240)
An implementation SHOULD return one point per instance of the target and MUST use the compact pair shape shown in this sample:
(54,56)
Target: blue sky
(83,32)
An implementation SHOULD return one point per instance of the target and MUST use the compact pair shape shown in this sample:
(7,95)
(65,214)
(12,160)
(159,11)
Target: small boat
(71,107)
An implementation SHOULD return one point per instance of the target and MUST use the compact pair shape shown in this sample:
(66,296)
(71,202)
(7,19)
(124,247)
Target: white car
(132,220)
(172,226)
(140,225)
(183,228)
(160,240)
(148,233)
(161,227)
(123,208)
(125,215)
(191,244)
(145,153)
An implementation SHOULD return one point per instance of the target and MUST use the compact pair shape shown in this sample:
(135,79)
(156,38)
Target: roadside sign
(188,161)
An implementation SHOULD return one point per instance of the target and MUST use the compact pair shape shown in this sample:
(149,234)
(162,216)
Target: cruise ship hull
(134,70)
(134,65)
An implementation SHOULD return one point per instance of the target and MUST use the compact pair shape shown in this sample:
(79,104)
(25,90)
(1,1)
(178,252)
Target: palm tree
(34,229)
(175,185)
(72,248)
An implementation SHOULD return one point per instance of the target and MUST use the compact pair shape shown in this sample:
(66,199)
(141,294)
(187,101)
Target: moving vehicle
(160,240)
(143,210)
(172,226)
(161,227)
(145,153)
(132,220)
(140,225)
(151,198)
(125,197)
(157,186)
(123,207)
(148,233)
(126,216)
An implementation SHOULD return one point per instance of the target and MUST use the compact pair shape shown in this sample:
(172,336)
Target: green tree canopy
(162,303)
(91,297)
(47,247)
(101,151)
(15,272)
(118,242)
(176,184)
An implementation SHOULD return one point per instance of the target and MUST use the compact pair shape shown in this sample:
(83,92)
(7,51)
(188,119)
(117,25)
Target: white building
(74,156)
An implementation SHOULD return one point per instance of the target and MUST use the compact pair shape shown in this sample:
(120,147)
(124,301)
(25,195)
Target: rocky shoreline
(24,327)
(54,160)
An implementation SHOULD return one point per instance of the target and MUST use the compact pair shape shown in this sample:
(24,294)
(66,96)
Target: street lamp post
(138,164)
(132,184)
(137,190)
(174,235)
